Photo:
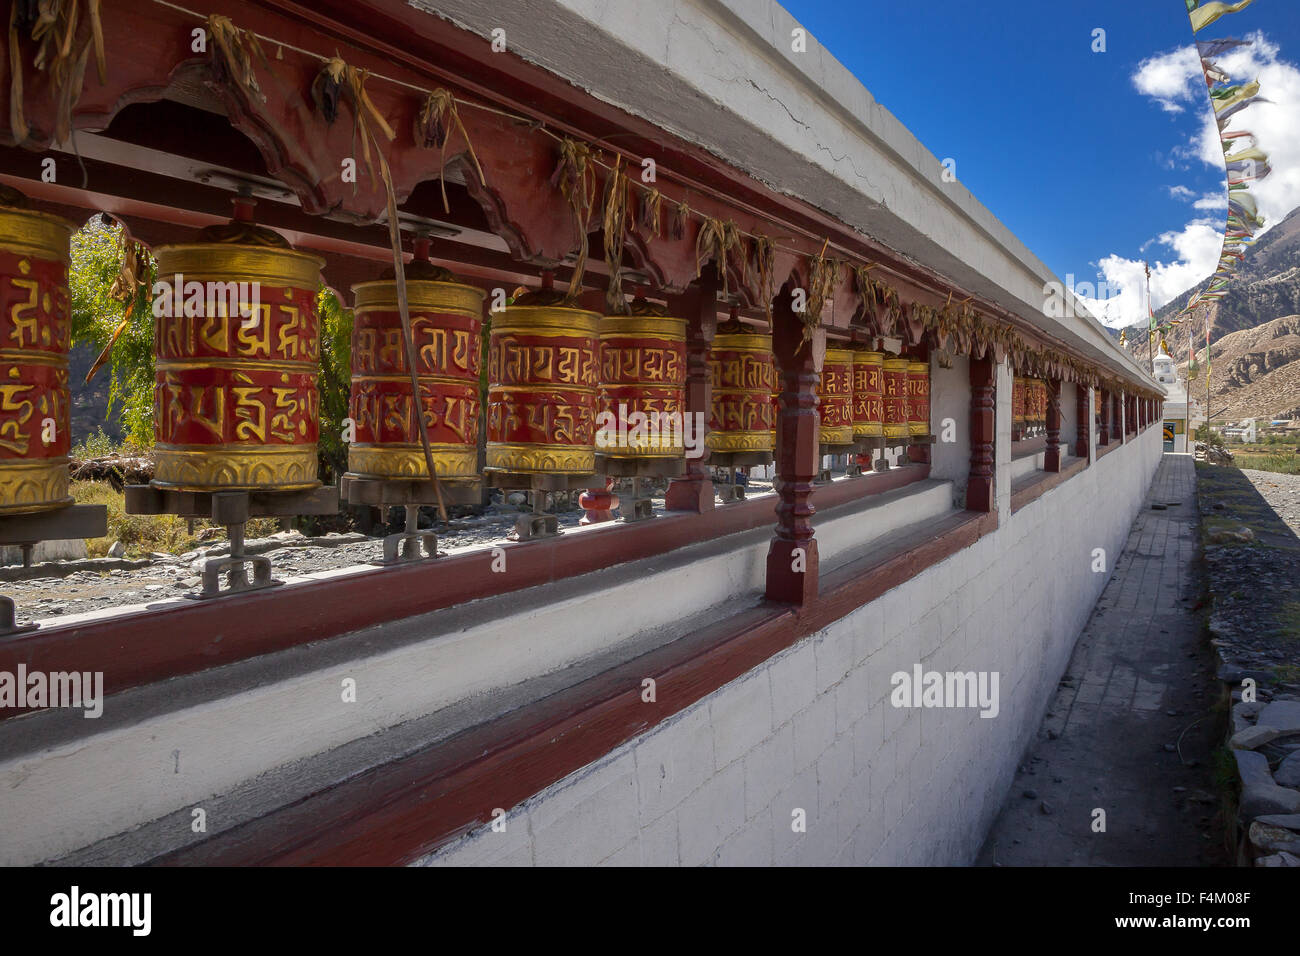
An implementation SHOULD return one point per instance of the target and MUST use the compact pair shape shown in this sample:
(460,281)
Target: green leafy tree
(96,316)
(335,383)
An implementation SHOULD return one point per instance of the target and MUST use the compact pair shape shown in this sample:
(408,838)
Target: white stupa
(1175,410)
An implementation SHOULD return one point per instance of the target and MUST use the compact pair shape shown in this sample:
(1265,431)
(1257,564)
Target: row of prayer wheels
(866,394)
(237,361)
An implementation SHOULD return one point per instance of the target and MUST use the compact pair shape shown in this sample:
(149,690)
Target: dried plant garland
(614,227)
(434,123)
(576,180)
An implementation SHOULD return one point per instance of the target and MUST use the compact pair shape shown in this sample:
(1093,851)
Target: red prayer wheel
(237,356)
(446,327)
(835,398)
(642,383)
(35,327)
(742,416)
(543,384)
(895,398)
(1019,405)
(918,399)
(868,394)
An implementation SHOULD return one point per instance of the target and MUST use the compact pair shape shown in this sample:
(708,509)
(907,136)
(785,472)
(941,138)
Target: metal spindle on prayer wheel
(918,399)
(35,328)
(835,398)
(642,383)
(895,400)
(237,357)
(543,384)
(741,364)
(446,324)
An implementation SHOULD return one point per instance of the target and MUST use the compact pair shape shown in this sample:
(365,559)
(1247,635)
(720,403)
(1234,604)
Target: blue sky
(1095,160)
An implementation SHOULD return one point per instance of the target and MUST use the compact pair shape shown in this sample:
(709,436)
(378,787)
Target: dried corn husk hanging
(126,285)
(765,265)
(576,181)
(677,225)
(823,273)
(649,213)
(614,227)
(714,241)
(233,51)
(53,26)
(327,89)
(433,125)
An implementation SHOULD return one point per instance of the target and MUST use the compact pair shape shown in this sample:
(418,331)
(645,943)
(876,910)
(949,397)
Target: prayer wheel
(35,325)
(742,416)
(642,383)
(868,394)
(895,398)
(543,385)
(918,399)
(835,398)
(1019,404)
(237,357)
(446,327)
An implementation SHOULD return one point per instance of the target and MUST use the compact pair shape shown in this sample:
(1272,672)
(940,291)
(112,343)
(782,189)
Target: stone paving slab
(1131,730)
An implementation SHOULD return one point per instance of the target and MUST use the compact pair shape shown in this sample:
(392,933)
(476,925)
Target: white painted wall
(113,775)
(813,730)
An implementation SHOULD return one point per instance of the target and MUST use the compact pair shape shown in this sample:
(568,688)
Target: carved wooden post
(792,556)
(979,489)
(1052,460)
(1083,420)
(1103,433)
(699,306)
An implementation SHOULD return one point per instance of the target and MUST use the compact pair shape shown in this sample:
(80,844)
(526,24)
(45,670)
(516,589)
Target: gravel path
(44,598)
(1282,492)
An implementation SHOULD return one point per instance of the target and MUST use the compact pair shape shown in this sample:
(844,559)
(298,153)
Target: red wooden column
(1052,459)
(1083,421)
(1103,431)
(699,307)
(979,489)
(792,556)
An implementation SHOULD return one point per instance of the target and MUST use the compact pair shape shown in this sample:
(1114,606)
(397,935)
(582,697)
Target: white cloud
(1175,82)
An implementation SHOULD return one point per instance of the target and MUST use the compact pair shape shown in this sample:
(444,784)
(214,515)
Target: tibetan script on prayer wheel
(543,384)
(868,394)
(835,398)
(237,355)
(895,398)
(446,326)
(642,383)
(742,417)
(35,325)
(918,398)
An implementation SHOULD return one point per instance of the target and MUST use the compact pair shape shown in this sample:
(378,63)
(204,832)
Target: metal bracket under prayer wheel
(410,544)
(729,490)
(26,531)
(824,475)
(536,524)
(642,507)
(232,509)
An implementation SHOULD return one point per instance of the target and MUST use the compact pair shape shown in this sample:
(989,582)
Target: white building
(1176,421)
